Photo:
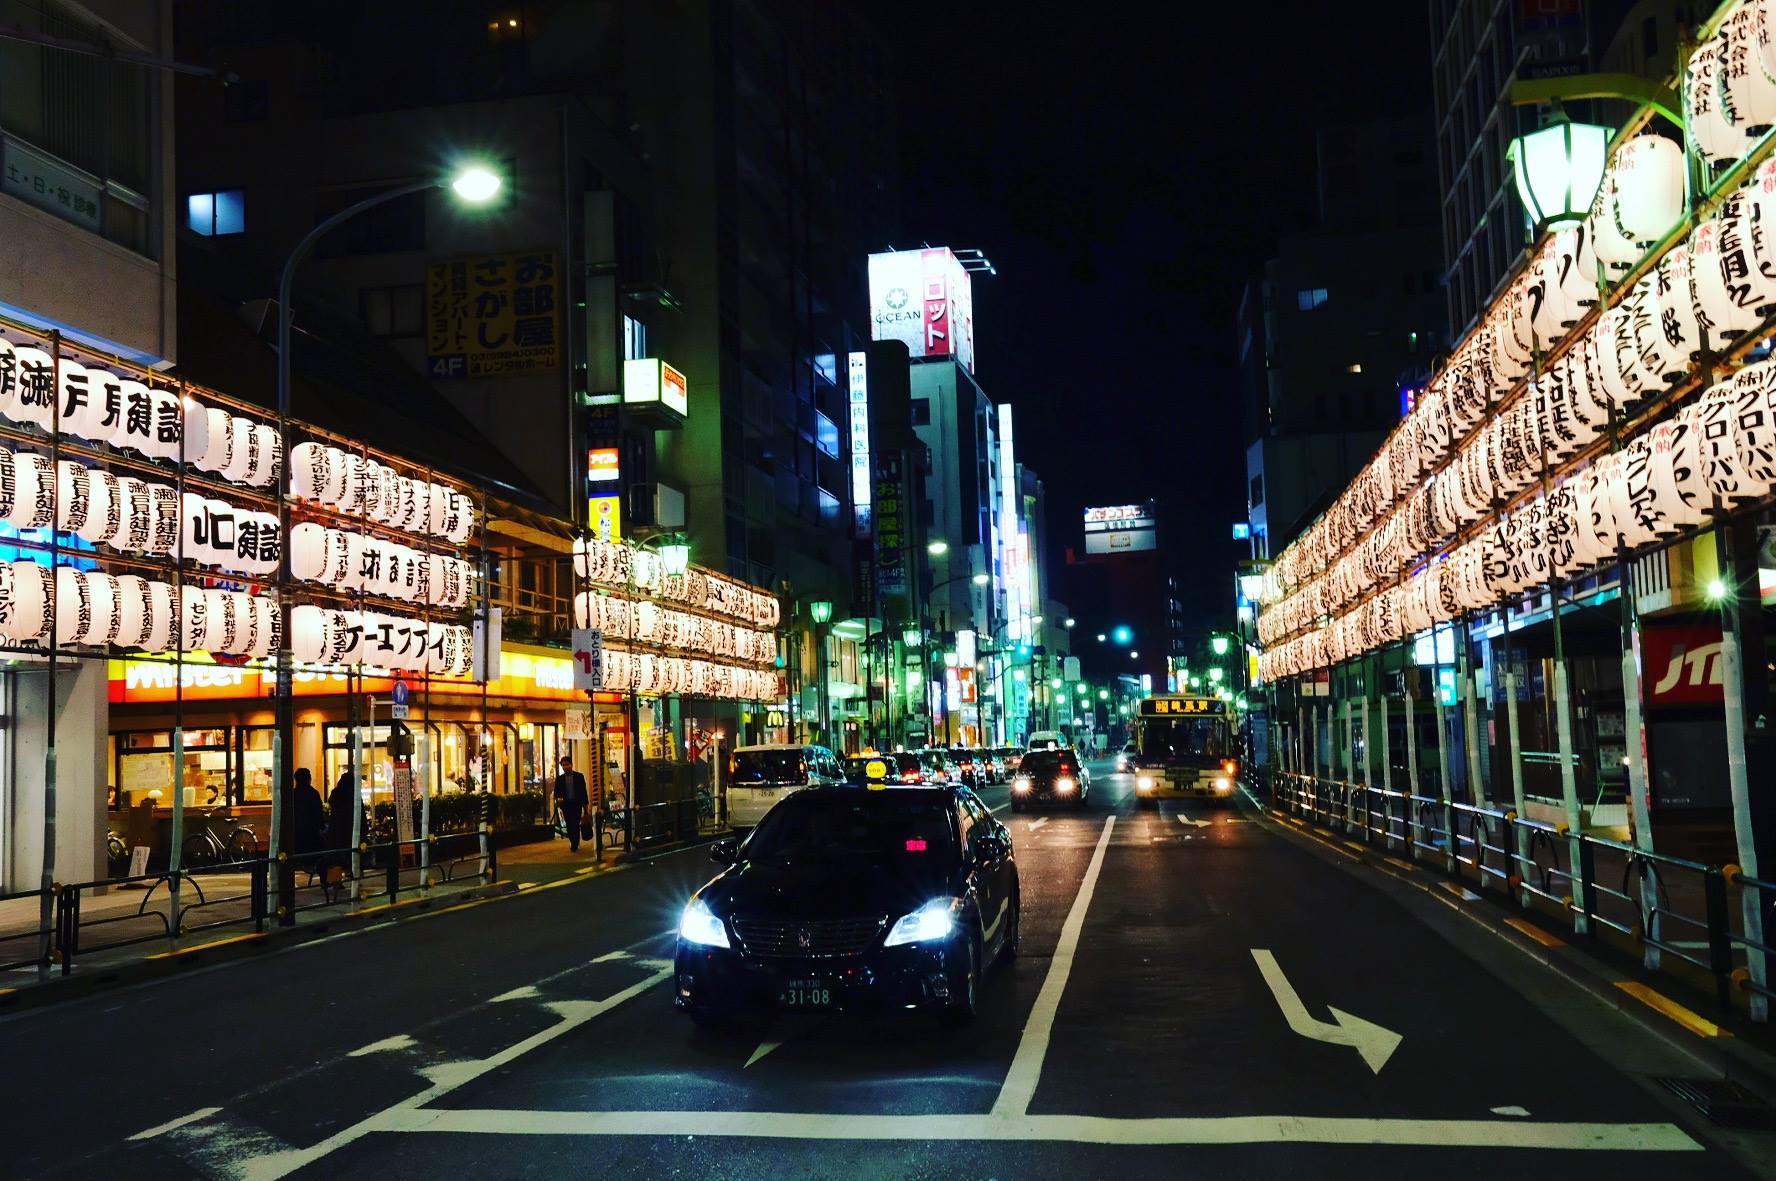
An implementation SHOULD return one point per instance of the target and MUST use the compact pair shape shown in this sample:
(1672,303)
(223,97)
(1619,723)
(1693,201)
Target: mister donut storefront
(507,739)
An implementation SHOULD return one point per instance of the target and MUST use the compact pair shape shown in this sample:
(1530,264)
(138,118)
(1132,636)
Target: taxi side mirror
(722,852)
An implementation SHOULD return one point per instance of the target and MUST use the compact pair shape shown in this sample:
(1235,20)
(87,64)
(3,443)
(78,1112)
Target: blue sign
(400,693)
(1242,531)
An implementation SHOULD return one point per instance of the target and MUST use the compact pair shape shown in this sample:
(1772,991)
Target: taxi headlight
(1144,783)
(699,925)
(1066,783)
(1021,783)
(931,922)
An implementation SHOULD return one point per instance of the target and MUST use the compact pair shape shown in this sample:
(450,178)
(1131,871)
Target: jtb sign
(1681,665)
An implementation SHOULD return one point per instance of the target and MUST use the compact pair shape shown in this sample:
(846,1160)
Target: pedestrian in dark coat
(571,798)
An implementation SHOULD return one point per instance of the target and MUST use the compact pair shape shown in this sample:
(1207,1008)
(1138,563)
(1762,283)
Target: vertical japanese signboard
(861,498)
(495,315)
(891,572)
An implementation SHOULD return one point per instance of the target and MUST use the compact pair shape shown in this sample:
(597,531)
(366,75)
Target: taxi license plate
(805,994)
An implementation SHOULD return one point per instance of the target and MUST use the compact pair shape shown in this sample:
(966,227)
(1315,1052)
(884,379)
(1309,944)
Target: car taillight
(909,777)
(1230,766)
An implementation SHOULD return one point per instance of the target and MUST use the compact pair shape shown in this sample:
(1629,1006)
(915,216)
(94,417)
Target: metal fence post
(1586,900)
(260,890)
(1518,837)
(1720,935)
(1569,790)
(68,926)
(1414,835)
(1445,792)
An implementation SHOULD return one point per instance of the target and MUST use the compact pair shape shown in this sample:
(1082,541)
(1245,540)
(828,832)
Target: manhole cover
(1723,1101)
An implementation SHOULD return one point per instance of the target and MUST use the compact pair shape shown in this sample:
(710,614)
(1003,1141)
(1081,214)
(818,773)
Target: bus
(1184,747)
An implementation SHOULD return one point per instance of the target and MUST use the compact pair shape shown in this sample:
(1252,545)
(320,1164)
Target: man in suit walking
(571,798)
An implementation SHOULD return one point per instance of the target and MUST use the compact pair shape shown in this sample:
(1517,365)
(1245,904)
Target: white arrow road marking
(608,956)
(399,1042)
(763,1049)
(1375,1044)
(1193,822)
(1519,1112)
(525,993)
(1038,823)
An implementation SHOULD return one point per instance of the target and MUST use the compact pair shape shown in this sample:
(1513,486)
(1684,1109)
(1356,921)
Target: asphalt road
(1198,997)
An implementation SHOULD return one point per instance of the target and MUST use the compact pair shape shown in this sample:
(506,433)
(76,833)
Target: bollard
(260,891)
(1720,936)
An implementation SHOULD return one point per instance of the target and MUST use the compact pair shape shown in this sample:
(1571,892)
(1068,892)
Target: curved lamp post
(473,184)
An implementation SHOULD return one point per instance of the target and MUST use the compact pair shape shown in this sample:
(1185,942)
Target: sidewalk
(124,931)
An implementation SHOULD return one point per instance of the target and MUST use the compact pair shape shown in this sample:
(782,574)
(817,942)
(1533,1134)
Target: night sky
(1126,167)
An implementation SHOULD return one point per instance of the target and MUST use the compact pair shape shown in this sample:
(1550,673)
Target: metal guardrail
(184,902)
(1541,866)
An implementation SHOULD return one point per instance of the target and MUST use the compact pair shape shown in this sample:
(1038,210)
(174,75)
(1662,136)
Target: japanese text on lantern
(497,315)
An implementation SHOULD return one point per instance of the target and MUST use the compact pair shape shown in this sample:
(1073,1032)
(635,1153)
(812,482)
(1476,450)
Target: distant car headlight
(1222,784)
(699,925)
(1066,783)
(1021,783)
(930,923)
(1144,783)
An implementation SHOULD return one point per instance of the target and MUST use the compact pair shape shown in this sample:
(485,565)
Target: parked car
(760,776)
(892,900)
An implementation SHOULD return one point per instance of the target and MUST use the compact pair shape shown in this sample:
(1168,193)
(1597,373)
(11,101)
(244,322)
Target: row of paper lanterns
(356,562)
(103,407)
(144,518)
(355,484)
(651,623)
(1708,291)
(646,673)
(93,609)
(1716,454)
(328,635)
(620,567)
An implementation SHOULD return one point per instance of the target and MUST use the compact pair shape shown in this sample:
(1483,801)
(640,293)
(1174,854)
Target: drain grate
(1723,1101)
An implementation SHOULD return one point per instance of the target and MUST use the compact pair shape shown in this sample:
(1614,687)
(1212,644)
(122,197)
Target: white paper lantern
(1647,198)
(1560,527)
(191,611)
(1678,484)
(308,551)
(1754,433)
(34,403)
(27,615)
(104,514)
(310,472)
(101,626)
(1717,413)
(165,519)
(318,635)
(132,611)
(73,496)
(9,380)
(1674,310)
(1640,517)
(194,428)
(1722,274)
(82,404)
(1745,93)
(73,605)
(1616,252)
(243,452)
(1553,306)
(352,481)
(267,450)
(260,620)
(1715,138)
(170,423)
(160,618)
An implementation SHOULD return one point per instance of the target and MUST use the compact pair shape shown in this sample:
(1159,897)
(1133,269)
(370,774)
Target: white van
(759,776)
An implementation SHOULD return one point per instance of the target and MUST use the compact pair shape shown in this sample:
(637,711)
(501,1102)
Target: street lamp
(1122,633)
(1102,637)
(1558,169)
(474,184)
(675,558)
(1214,675)
(912,637)
(1068,623)
(1219,644)
(820,610)
(938,548)
(982,578)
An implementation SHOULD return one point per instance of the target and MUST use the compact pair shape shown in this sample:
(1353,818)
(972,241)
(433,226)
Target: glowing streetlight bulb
(476,185)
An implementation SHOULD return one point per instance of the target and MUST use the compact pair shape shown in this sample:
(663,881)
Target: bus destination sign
(1152,707)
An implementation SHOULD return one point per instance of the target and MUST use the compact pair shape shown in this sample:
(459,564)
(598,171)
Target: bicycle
(117,854)
(613,818)
(204,848)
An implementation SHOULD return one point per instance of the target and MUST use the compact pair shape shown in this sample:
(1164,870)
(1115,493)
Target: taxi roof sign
(1174,706)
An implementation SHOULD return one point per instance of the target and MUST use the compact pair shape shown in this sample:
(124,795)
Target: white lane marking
(1038,823)
(763,1049)
(1237,1129)
(1193,821)
(1520,1112)
(1373,1042)
(1026,1065)
(162,1129)
(266,1166)
(399,1042)
(223,1149)
(993,927)
(608,956)
(524,993)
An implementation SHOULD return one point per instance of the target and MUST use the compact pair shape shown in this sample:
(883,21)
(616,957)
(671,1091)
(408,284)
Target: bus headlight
(1144,783)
